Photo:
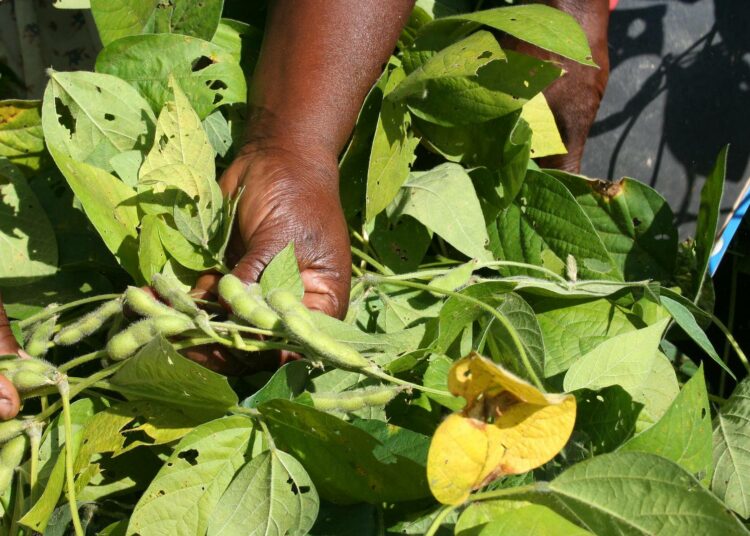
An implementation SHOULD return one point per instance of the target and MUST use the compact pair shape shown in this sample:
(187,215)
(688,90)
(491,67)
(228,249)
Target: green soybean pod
(170,325)
(143,303)
(88,324)
(247,302)
(11,455)
(38,342)
(11,429)
(170,289)
(299,323)
(129,340)
(28,375)
(355,399)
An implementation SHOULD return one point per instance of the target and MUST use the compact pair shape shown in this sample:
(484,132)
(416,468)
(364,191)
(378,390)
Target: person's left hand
(10,402)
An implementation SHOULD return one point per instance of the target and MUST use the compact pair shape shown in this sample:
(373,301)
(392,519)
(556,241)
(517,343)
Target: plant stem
(730,321)
(69,474)
(46,313)
(85,383)
(228,326)
(35,435)
(379,280)
(80,360)
(728,334)
(506,492)
(444,512)
(377,373)
(372,262)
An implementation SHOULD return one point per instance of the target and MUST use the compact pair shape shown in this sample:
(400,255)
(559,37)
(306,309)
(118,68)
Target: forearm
(318,60)
(575,97)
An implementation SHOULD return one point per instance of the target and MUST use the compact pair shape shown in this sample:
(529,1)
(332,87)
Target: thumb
(8,344)
(10,402)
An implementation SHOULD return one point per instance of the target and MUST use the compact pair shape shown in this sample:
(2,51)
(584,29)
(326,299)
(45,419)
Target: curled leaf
(507,427)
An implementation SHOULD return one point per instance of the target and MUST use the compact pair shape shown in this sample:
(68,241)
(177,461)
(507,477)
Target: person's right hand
(10,402)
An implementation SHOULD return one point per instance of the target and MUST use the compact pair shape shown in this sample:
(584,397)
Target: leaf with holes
(209,75)
(93,117)
(271,494)
(185,492)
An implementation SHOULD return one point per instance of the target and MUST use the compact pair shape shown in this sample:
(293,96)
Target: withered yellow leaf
(507,427)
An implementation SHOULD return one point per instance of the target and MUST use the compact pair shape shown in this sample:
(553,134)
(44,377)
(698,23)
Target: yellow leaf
(545,138)
(507,427)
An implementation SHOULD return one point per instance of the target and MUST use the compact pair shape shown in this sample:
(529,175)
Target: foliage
(505,363)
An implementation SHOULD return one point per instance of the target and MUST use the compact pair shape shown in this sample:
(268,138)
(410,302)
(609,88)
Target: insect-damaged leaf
(507,427)
(186,490)
(209,75)
(271,494)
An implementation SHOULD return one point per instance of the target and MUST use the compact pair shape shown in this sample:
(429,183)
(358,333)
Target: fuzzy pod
(11,455)
(27,375)
(355,399)
(246,302)
(88,324)
(38,342)
(143,303)
(169,289)
(11,429)
(299,323)
(140,333)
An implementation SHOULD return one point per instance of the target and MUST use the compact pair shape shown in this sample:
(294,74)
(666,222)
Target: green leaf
(457,313)
(606,418)
(183,158)
(478,514)
(120,18)
(354,163)
(540,25)
(52,463)
(28,249)
(461,59)
(444,200)
(271,494)
(392,152)
(283,272)
(185,253)
(687,322)
(634,222)
(531,520)
(182,497)
(545,216)
(683,433)
(126,166)
(640,494)
(572,328)
(708,220)
(21,137)
(242,40)
(522,320)
(219,132)
(158,372)
(287,383)
(151,256)
(499,88)
(633,361)
(731,481)
(92,117)
(208,74)
(400,243)
(105,202)
(342,459)
(436,377)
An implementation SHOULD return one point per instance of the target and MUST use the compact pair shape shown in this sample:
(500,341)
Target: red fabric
(612,4)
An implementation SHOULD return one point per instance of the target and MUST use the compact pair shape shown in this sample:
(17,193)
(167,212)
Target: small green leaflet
(392,152)
(283,272)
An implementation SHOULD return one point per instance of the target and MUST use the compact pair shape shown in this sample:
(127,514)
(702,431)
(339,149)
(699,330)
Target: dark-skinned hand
(287,196)
(10,402)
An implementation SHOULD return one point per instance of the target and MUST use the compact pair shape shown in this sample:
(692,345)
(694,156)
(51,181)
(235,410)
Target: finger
(252,264)
(329,295)
(10,402)
(207,286)
(8,344)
